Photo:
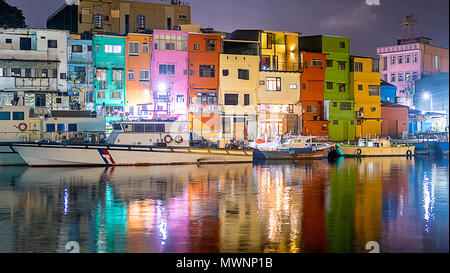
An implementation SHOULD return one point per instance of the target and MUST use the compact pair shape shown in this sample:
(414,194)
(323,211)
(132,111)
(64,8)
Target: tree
(11,17)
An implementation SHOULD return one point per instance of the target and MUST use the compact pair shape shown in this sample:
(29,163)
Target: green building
(338,107)
(109,82)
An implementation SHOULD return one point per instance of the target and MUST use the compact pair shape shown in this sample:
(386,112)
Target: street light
(427,96)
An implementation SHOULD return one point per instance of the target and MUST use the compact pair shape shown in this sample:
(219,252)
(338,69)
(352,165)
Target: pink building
(405,62)
(169,74)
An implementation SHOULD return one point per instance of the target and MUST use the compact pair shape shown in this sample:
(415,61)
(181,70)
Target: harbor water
(401,204)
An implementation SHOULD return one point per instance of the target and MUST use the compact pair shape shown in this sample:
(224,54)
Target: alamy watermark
(72,2)
(373,2)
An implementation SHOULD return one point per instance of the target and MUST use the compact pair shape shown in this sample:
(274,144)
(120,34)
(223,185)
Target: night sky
(367,26)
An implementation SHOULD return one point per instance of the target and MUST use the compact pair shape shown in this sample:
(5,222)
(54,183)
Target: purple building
(407,61)
(169,74)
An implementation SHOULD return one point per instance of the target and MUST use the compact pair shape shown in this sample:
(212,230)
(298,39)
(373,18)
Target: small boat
(294,147)
(151,142)
(376,147)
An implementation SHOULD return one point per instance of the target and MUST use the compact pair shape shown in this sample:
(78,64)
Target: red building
(395,119)
(203,63)
(312,93)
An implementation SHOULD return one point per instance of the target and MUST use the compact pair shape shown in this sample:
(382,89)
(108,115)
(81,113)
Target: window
(400,59)
(59,100)
(207,71)
(292,86)
(316,63)
(116,94)
(145,48)
(1,72)
(77,48)
(115,13)
(101,74)
(117,49)
(358,67)
(414,75)
(225,72)
(415,58)
(16,72)
(40,100)
(8,41)
(52,44)
(341,65)
(166,69)
(141,21)
(265,62)
(98,21)
(345,106)
(329,63)
(303,86)
(207,98)
(100,94)
(144,75)
(73,127)
(305,64)
(360,87)
(18,116)
(243,74)
(61,127)
(117,75)
(191,72)
(50,127)
(385,77)
(134,48)
(384,63)
(352,122)
(335,122)
(341,87)
(231,99)
(196,47)
(210,45)
(62,76)
(5,116)
(407,58)
(311,109)
(407,76)
(329,85)
(392,59)
(436,62)
(400,76)
(334,104)
(25,43)
(375,65)
(273,84)
(170,46)
(267,40)
(342,44)
(130,75)
(246,99)
(373,109)
(374,90)
(392,77)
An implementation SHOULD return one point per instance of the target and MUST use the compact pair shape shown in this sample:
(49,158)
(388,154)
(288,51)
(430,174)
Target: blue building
(387,92)
(80,74)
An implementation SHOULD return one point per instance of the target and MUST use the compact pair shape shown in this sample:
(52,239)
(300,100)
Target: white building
(33,68)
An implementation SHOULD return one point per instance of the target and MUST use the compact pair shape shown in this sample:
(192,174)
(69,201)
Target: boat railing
(34,136)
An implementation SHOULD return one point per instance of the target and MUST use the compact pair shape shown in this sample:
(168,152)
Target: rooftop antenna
(407,23)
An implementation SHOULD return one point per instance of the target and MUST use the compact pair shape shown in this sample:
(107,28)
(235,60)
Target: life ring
(22,126)
(168,139)
(102,136)
(358,151)
(178,139)
(409,153)
(64,137)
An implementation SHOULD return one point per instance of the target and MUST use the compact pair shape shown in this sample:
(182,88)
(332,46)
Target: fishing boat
(146,142)
(294,147)
(376,147)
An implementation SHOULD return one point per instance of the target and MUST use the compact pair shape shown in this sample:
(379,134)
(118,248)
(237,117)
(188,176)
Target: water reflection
(308,206)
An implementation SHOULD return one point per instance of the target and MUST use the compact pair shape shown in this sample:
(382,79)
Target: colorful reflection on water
(308,206)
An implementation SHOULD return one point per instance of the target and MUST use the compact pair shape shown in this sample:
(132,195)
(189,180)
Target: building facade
(169,74)
(138,61)
(404,63)
(365,91)
(109,82)
(33,68)
(395,120)
(203,61)
(119,16)
(388,92)
(312,94)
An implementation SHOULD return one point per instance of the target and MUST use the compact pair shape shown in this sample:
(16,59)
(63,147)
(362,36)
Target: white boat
(151,142)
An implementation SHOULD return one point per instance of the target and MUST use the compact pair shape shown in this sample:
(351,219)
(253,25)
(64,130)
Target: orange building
(203,61)
(394,119)
(137,94)
(312,93)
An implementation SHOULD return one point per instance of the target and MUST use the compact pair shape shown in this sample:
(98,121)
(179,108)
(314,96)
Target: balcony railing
(204,108)
(280,67)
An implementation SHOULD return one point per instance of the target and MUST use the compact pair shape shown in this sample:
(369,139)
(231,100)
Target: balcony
(279,67)
(38,83)
(205,108)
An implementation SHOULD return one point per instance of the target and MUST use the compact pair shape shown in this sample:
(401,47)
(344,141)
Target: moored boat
(376,147)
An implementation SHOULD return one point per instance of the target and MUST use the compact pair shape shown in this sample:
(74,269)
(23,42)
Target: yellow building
(365,90)
(119,16)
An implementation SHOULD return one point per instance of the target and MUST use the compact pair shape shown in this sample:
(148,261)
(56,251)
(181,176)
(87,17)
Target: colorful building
(109,83)
(203,61)
(365,91)
(388,92)
(169,74)
(312,94)
(137,60)
(338,107)
(404,63)
(394,120)
(239,75)
(80,74)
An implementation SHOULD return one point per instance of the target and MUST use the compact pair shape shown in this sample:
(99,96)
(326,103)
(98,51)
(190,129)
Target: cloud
(356,17)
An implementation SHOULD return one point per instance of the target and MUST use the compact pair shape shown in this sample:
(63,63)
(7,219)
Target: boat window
(149,128)
(138,128)
(160,128)
(73,127)
(50,127)
(117,126)
(127,128)
(62,127)
(18,116)
(5,116)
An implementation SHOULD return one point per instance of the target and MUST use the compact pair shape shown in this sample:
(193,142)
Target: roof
(385,83)
(390,104)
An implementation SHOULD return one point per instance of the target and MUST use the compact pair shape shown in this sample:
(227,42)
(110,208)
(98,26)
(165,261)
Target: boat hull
(356,151)
(294,154)
(58,155)
(9,157)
